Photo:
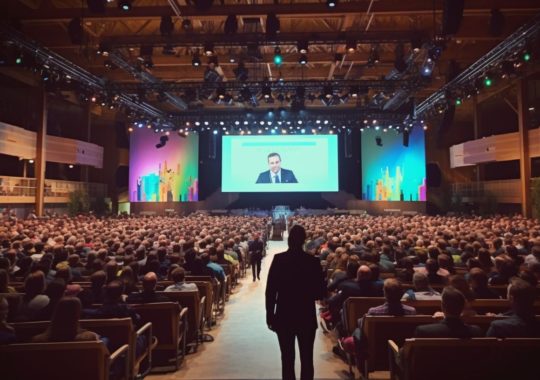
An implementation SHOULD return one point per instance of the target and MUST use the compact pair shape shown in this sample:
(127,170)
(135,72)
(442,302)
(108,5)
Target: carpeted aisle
(244,348)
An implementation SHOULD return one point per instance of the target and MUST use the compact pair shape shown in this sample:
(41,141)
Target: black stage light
(303,60)
(186,24)
(378,141)
(166,26)
(76,31)
(273,24)
(162,142)
(208,49)
(203,5)
(125,5)
(302,47)
(231,25)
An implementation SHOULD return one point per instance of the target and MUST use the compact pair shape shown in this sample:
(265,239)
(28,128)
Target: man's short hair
(522,294)
(274,154)
(453,301)
(392,290)
(178,275)
(420,281)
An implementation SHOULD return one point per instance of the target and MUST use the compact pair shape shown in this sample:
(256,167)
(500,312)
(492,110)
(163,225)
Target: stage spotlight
(328,92)
(76,31)
(526,55)
(378,141)
(488,81)
(374,57)
(231,25)
(302,47)
(278,58)
(196,60)
(435,52)
(458,101)
(103,49)
(273,24)
(303,60)
(166,26)
(162,141)
(427,67)
(507,69)
(416,44)
(240,72)
(331,3)
(209,49)
(125,5)
(267,92)
(186,24)
(350,46)
(353,91)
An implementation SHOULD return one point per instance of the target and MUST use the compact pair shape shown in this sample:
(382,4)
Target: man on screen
(276,174)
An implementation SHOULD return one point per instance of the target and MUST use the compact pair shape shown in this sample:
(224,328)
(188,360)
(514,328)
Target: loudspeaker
(445,124)
(433,175)
(347,144)
(76,31)
(406,138)
(452,15)
(212,146)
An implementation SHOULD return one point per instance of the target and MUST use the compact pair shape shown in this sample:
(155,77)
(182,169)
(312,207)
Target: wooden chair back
(59,361)
(191,300)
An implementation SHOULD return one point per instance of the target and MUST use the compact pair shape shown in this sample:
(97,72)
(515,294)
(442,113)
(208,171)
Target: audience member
(148,293)
(521,323)
(422,290)
(180,285)
(65,324)
(452,303)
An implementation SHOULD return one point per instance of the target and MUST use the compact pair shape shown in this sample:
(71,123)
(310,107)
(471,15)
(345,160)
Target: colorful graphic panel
(167,174)
(393,172)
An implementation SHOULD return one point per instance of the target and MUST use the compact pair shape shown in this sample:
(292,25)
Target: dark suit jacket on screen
(287,176)
(295,281)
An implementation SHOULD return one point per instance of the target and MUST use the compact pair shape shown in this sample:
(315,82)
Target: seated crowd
(68,269)
(454,260)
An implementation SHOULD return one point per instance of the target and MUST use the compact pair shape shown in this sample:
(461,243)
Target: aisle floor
(244,348)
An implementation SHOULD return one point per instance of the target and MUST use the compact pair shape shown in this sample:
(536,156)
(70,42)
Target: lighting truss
(263,39)
(254,86)
(77,73)
(495,56)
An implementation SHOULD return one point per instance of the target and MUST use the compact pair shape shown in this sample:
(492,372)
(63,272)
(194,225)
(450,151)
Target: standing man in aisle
(295,282)
(256,247)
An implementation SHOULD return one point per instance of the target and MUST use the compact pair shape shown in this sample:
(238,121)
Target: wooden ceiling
(47,23)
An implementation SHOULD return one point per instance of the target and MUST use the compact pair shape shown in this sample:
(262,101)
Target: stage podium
(279,221)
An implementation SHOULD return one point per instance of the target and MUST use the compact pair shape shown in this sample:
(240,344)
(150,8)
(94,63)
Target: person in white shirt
(180,285)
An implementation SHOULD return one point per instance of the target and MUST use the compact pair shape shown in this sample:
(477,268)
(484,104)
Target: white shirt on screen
(276,178)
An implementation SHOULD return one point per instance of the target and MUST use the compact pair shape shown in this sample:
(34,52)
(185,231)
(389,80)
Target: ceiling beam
(308,10)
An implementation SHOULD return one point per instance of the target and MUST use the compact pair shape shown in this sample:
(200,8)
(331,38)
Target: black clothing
(515,326)
(448,328)
(256,253)
(146,297)
(295,281)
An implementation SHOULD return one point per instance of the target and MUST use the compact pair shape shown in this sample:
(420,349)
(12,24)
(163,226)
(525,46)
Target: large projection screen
(393,172)
(301,163)
(166,174)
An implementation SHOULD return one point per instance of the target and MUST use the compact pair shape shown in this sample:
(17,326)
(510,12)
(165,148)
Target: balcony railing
(505,191)
(23,190)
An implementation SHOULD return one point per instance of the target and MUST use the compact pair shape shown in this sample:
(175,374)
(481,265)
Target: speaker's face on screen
(274,163)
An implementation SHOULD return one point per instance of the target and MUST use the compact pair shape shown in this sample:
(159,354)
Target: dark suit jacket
(515,327)
(146,297)
(287,176)
(448,328)
(295,281)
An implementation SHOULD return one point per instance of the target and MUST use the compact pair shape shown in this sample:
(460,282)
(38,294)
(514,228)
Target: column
(41,150)
(524,158)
